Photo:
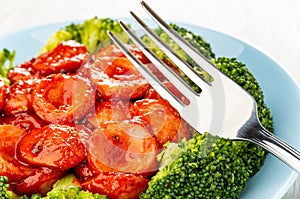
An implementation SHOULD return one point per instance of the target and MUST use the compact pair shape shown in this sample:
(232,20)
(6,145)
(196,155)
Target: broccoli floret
(55,39)
(71,193)
(208,166)
(238,72)
(66,193)
(67,188)
(6,56)
(195,40)
(4,192)
(90,33)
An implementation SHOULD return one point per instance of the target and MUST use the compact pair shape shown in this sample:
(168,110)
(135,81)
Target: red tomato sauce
(94,115)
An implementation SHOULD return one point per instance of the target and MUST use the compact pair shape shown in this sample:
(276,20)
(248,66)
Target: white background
(272,26)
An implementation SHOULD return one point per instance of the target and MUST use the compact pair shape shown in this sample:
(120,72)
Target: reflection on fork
(222,108)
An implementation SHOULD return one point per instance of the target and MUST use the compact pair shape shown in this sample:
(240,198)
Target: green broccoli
(67,188)
(195,40)
(6,56)
(238,72)
(91,33)
(4,193)
(207,166)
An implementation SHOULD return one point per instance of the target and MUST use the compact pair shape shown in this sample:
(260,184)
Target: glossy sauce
(98,118)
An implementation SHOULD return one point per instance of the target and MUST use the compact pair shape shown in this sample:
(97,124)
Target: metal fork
(222,108)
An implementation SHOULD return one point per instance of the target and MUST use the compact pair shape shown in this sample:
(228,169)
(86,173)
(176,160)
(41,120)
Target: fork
(222,108)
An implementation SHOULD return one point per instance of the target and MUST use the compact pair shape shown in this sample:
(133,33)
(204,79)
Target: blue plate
(282,95)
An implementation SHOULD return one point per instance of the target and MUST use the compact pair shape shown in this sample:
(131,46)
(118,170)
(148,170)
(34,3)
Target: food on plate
(10,166)
(122,146)
(116,77)
(66,187)
(3,88)
(25,121)
(78,119)
(67,57)
(163,120)
(213,167)
(5,194)
(6,56)
(18,171)
(90,33)
(54,145)
(18,97)
(61,98)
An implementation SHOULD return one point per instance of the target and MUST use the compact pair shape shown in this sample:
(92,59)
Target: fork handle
(278,147)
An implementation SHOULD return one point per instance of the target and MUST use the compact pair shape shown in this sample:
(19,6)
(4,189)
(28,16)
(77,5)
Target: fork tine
(186,68)
(155,82)
(169,73)
(189,49)
(201,115)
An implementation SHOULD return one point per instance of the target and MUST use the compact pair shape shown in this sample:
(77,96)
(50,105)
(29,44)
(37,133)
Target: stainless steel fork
(222,108)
